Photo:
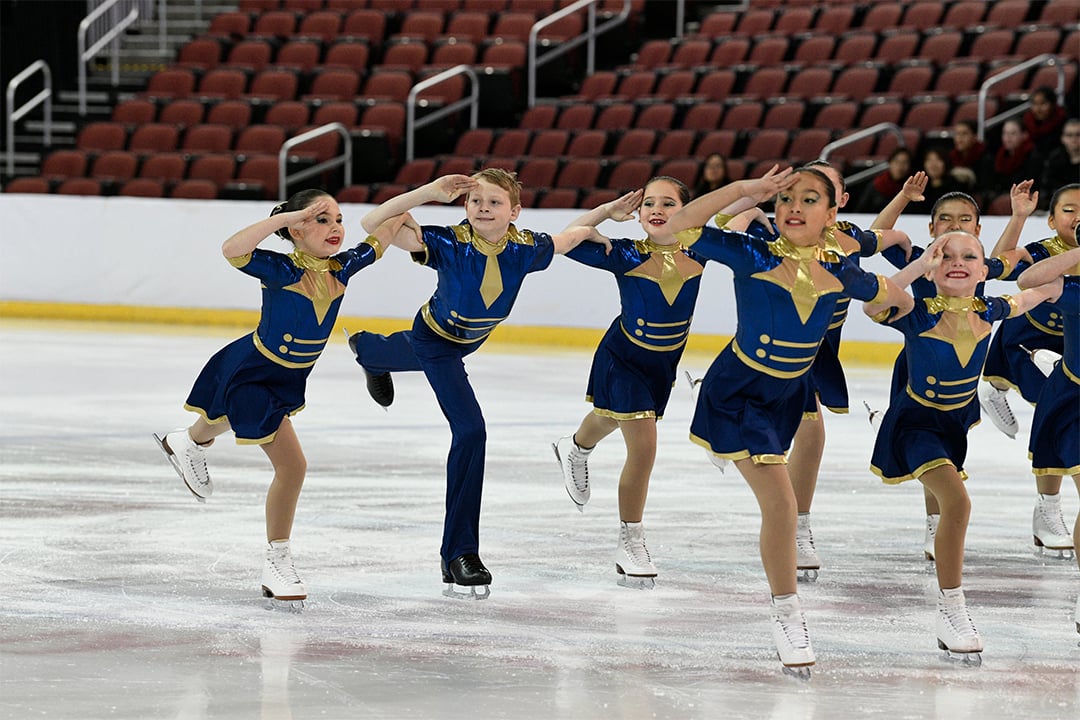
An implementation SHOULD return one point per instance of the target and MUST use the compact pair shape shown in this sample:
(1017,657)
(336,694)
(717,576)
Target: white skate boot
(806,558)
(995,403)
(1048,527)
(956,633)
(188,458)
(574,461)
(791,636)
(1044,359)
(931,536)
(279,578)
(632,560)
(716,460)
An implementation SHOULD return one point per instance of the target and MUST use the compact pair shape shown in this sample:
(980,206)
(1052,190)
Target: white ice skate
(956,633)
(574,461)
(716,460)
(1048,527)
(931,536)
(189,460)
(806,558)
(875,416)
(632,559)
(995,403)
(280,582)
(1044,359)
(791,636)
(694,383)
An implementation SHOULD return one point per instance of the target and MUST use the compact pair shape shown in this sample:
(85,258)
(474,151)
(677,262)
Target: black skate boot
(379,385)
(469,573)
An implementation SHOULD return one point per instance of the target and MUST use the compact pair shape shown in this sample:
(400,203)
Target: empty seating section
(767,82)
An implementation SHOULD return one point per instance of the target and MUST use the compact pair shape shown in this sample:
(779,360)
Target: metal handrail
(85,54)
(589,36)
(15,114)
(344,158)
(984,89)
(412,124)
(878,129)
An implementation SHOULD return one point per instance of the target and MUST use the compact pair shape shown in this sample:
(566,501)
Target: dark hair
(1058,193)
(827,164)
(970,125)
(1047,94)
(831,194)
(955,195)
(298,201)
(684,192)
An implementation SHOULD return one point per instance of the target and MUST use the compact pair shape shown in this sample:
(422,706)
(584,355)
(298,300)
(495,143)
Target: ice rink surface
(124,598)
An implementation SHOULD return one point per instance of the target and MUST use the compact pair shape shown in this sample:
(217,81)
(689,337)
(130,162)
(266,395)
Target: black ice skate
(380,386)
(466,578)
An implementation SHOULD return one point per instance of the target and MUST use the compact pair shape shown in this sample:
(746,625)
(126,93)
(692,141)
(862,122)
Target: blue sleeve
(895,256)
(869,241)
(438,242)
(355,259)
(741,252)
(274,269)
(996,309)
(545,251)
(858,283)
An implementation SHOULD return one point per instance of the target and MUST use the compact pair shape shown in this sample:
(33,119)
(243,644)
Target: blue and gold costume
(996,269)
(1054,447)
(254,382)
(753,397)
(827,374)
(477,284)
(634,366)
(926,425)
(1041,328)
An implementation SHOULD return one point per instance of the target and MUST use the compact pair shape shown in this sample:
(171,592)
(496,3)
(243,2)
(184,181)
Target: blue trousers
(442,361)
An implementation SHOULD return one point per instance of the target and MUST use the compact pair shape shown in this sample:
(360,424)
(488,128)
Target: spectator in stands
(1044,120)
(1063,164)
(940,180)
(1016,160)
(968,156)
(886,185)
(714,174)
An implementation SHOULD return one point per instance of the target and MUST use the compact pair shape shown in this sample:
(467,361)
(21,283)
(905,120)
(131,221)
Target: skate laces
(996,399)
(1052,518)
(959,619)
(634,547)
(793,625)
(194,457)
(579,468)
(281,564)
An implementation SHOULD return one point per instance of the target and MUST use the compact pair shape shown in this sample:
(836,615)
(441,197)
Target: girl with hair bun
(254,384)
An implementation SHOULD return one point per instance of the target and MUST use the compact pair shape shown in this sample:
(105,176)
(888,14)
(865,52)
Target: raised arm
(912,191)
(921,266)
(1024,202)
(445,189)
(698,212)
(570,238)
(619,210)
(244,241)
(1050,269)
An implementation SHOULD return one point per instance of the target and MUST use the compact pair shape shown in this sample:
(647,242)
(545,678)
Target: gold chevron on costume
(801,275)
(958,326)
(317,284)
(667,266)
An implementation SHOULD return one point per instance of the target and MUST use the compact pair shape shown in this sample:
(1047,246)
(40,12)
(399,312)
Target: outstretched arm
(1024,202)
(244,241)
(912,191)
(1049,269)
(698,212)
(570,238)
(401,230)
(445,189)
(619,209)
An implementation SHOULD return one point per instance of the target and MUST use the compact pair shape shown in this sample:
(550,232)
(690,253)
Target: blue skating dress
(634,366)
(1054,447)
(926,425)
(827,374)
(254,382)
(753,396)
(1040,328)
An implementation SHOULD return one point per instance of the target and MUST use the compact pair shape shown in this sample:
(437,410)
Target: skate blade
(636,582)
(176,466)
(467,592)
(1054,553)
(809,575)
(693,382)
(293,604)
(967,659)
(799,672)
